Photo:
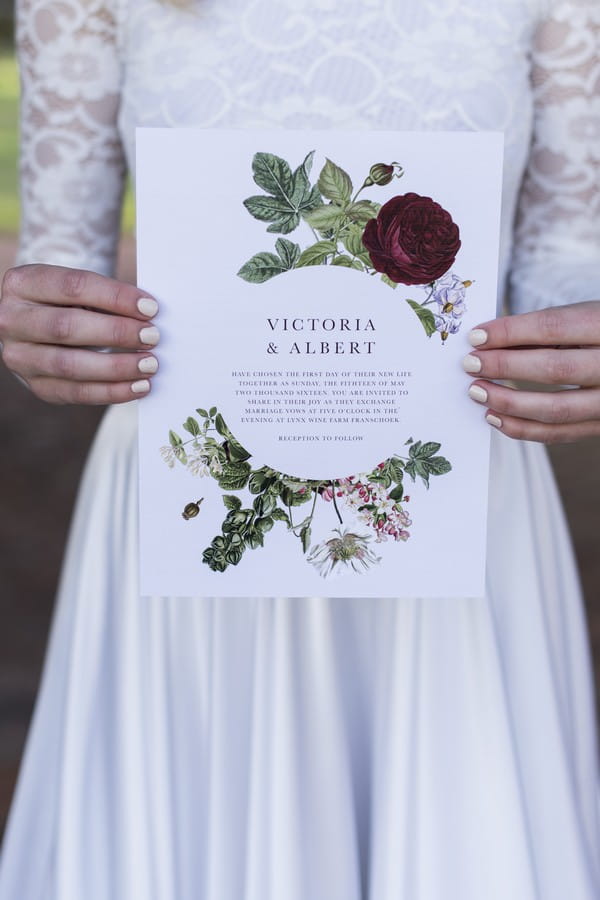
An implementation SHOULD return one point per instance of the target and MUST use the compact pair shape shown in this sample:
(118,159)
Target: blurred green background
(9,85)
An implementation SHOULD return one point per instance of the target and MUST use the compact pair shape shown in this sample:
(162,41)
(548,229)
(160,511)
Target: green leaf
(422,471)
(255,538)
(335,184)
(396,469)
(396,493)
(220,425)
(234,555)
(279,515)
(414,450)
(203,413)
(429,449)
(236,451)
(352,240)
(191,426)
(325,218)
(283,216)
(265,523)
(272,174)
(234,476)
(316,254)
(231,502)
(288,252)
(174,439)
(437,465)
(304,196)
(288,194)
(347,262)
(425,317)
(362,211)
(305,535)
(257,482)
(409,468)
(212,411)
(261,267)
(387,280)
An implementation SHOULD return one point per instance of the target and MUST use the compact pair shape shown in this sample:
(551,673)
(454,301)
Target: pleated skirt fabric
(311,749)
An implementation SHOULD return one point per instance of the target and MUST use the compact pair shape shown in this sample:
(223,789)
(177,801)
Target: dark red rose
(412,240)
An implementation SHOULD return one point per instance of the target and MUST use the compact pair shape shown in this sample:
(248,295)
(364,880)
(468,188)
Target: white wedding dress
(276,749)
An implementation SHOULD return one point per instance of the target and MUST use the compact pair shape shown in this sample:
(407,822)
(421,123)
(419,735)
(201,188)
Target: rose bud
(382,174)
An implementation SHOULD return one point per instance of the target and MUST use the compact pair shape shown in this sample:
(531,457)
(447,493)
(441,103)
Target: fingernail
(149,335)
(140,387)
(477,336)
(148,364)
(478,393)
(493,420)
(147,307)
(472,364)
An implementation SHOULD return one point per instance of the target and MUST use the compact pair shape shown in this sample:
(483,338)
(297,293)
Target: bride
(277,749)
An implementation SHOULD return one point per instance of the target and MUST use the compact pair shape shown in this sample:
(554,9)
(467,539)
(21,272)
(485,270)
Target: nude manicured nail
(149,335)
(140,387)
(493,420)
(477,393)
(147,306)
(472,364)
(148,364)
(477,336)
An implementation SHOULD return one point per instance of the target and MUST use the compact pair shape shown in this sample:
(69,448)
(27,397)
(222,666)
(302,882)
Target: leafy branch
(213,450)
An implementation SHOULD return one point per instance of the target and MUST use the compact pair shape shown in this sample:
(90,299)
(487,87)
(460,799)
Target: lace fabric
(72,164)
(74,68)
(557,237)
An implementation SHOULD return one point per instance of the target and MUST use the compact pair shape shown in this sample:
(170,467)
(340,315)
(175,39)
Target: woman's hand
(556,346)
(51,316)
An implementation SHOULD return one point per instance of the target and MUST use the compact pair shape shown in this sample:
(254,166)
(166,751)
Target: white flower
(215,466)
(449,294)
(197,465)
(343,549)
(168,454)
(446,324)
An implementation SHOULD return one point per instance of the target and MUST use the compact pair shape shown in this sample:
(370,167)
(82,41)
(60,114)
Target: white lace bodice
(94,69)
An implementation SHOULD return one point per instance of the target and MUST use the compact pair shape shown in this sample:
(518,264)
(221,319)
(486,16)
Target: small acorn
(191,509)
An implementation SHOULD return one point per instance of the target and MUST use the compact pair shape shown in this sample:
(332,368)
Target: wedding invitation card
(309,431)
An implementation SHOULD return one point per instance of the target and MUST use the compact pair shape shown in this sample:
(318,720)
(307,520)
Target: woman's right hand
(51,317)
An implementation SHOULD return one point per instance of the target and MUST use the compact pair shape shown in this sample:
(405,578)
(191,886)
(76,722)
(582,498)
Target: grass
(9,200)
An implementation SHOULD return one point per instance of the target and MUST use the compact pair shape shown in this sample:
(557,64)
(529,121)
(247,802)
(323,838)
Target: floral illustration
(409,240)
(369,508)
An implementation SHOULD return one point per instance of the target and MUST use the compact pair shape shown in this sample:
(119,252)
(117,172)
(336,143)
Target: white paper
(321,372)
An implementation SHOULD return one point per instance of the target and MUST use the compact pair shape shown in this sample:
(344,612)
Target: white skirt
(276,749)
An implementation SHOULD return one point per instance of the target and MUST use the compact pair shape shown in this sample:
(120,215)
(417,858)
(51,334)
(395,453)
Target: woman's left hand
(555,346)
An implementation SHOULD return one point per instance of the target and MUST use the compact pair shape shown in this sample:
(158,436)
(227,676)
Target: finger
(577,323)
(43,361)
(61,286)
(543,366)
(553,407)
(74,327)
(94,393)
(526,430)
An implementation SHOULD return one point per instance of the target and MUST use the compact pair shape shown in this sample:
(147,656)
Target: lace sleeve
(72,163)
(557,241)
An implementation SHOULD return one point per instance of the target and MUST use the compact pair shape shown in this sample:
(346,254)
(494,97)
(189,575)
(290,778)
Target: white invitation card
(309,431)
